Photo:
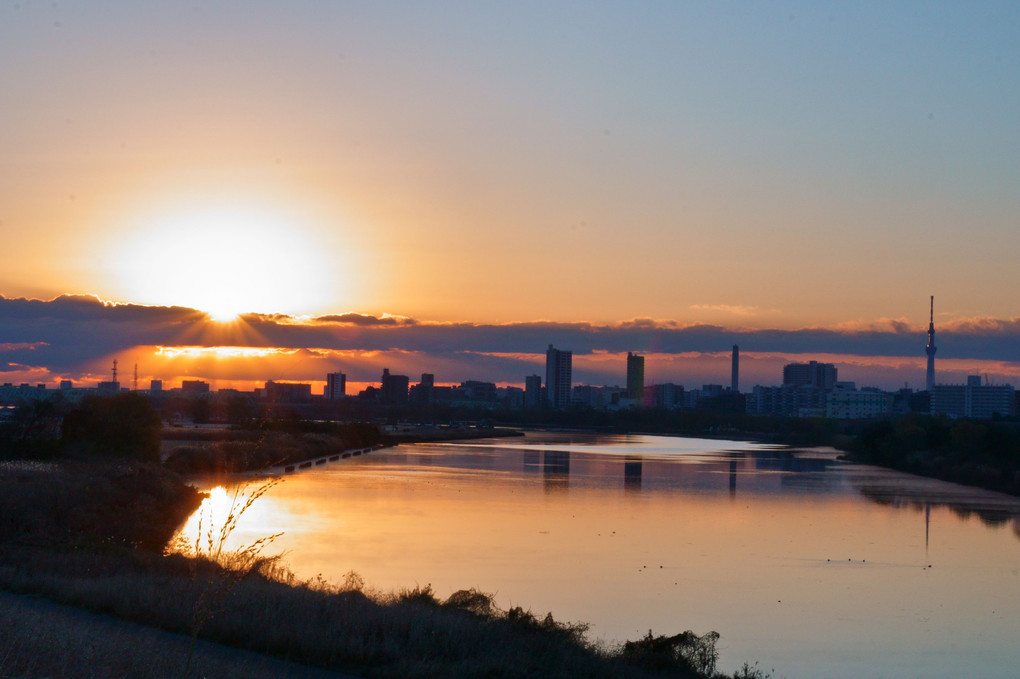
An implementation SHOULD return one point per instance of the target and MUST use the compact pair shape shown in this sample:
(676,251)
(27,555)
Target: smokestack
(929,378)
(735,371)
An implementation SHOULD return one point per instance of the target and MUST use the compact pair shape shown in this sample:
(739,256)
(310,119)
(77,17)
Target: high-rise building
(336,386)
(394,388)
(426,389)
(533,392)
(813,374)
(635,377)
(929,378)
(735,370)
(558,376)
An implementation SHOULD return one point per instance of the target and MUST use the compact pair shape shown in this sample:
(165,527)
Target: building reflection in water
(733,479)
(556,470)
(632,474)
(532,460)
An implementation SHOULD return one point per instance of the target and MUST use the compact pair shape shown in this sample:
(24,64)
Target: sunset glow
(228,262)
(440,188)
(221,352)
(356,245)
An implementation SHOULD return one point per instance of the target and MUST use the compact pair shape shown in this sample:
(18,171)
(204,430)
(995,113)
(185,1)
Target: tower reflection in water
(556,470)
(632,474)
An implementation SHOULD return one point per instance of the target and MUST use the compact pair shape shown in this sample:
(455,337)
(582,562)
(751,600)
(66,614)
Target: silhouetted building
(194,387)
(479,391)
(600,398)
(813,374)
(511,398)
(533,392)
(336,386)
(850,404)
(66,384)
(635,377)
(394,388)
(424,391)
(929,379)
(108,388)
(667,396)
(972,399)
(288,392)
(788,401)
(711,391)
(155,387)
(558,376)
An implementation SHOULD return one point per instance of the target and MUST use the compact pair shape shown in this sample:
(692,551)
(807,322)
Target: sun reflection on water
(226,521)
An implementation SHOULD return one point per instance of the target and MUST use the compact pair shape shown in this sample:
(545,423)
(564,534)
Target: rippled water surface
(808,565)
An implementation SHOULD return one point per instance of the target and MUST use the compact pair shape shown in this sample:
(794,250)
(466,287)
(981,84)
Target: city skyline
(452,188)
(77,337)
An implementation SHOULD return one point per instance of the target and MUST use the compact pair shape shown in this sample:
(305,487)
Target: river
(806,564)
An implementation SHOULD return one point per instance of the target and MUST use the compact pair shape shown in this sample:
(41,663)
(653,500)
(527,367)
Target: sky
(794,177)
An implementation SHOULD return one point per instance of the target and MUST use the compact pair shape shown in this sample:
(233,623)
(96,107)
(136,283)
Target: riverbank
(223,451)
(90,535)
(430,434)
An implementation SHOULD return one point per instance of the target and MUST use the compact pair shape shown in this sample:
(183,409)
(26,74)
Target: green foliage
(123,425)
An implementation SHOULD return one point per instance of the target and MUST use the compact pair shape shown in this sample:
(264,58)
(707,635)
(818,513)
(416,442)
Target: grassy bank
(89,534)
(230,451)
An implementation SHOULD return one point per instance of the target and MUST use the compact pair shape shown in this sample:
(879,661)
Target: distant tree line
(983,453)
(119,426)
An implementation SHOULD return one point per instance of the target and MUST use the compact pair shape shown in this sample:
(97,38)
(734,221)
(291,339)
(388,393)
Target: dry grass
(338,627)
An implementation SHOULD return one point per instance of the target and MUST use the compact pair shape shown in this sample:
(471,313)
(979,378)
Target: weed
(232,565)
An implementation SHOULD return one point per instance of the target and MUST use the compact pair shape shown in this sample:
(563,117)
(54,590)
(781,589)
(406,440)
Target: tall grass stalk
(233,564)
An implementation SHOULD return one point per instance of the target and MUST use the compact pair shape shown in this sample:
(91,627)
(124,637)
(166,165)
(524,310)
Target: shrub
(124,425)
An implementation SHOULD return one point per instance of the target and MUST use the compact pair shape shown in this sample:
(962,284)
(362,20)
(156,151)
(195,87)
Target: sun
(228,262)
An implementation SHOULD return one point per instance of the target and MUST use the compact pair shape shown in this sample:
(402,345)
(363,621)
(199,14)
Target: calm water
(810,566)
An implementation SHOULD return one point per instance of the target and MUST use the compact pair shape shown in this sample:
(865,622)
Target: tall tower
(635,377)
(558,377)
(735,370)
(930,349)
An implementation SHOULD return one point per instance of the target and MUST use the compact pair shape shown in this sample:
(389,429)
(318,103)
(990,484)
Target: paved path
(39,638)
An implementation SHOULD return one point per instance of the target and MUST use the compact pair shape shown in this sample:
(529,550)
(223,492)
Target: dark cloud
(364,319)
(69,331)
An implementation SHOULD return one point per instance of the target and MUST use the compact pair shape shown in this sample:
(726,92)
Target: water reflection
(903,491)
(632,474)
(556,470)
(733,479)
(801,561)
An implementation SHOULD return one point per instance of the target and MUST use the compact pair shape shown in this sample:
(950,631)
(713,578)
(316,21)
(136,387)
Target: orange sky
(498,165)
(512,164)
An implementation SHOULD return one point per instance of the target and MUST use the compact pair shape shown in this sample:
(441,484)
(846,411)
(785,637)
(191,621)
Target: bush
(124,425)
(686,653)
